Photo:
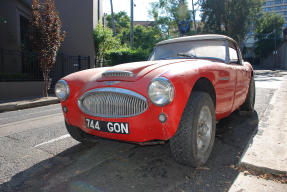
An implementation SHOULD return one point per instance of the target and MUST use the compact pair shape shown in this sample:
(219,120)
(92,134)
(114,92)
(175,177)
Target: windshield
(214,49)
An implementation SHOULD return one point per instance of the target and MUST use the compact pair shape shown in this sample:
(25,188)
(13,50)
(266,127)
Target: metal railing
(24,66)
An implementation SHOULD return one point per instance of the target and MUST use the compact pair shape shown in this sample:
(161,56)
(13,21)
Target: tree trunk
(132,24)
(46,83)
(193,14)
(99,61)
(113,18)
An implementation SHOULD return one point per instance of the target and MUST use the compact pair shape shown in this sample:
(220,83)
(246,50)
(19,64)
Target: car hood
(135,71)
(108,76)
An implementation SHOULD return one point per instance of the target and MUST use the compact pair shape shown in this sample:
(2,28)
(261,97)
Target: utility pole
(113,18)
(275,40)
(132,24)
(193,14)
(275,48)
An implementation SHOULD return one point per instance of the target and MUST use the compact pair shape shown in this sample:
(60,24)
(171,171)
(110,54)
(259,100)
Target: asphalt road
(37,154)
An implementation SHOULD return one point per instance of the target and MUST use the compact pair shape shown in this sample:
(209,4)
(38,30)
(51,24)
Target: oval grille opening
(112,102)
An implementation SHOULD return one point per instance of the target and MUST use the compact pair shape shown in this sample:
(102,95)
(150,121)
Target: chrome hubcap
(204,130)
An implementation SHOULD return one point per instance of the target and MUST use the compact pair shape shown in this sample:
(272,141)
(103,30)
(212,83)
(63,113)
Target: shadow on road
(114,166)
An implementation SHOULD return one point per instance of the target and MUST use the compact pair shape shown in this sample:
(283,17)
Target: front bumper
(142,128)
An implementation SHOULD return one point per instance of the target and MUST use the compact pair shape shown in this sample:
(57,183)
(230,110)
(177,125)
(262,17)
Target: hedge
(125,55)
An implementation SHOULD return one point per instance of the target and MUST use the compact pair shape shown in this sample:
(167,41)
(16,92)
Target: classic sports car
(187,85)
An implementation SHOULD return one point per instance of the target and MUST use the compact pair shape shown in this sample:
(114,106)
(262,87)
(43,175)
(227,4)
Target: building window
(267,9)
(29,62)
(269,3)
(277,8)
(278,2)
(24,31)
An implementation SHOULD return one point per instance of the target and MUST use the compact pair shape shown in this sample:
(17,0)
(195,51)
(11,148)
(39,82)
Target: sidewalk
(27,103)
(266,154)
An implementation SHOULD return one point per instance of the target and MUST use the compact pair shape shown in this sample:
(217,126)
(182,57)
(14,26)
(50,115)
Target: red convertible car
(179,94)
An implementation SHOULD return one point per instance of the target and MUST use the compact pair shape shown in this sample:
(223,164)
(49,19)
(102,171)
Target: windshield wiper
(186,55)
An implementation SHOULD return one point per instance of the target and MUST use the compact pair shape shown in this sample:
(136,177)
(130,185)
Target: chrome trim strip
(118,74)
(223,79)
(128,101)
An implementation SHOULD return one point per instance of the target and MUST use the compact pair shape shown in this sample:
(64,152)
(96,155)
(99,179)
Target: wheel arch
(204,84)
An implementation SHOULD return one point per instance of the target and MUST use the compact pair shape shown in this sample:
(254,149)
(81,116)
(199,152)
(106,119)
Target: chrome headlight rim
(67,91)
(171,93)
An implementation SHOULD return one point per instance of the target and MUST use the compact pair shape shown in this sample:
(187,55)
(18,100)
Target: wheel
(192,143)
(248,105)
(79,135)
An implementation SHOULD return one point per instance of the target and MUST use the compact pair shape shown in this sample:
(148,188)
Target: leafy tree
(145,37)
(268,31)
(169,13)
(122,25)
(47,36)
(104,41)
(229,17)
(124,36)
(122,21)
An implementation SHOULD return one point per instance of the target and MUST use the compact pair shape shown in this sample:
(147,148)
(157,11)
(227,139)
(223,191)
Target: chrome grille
(118,74)
(113,103)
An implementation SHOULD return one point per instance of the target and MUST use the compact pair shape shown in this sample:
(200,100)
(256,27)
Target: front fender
(183,82)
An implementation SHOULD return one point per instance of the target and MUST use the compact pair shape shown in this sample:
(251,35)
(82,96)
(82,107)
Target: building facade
(18,66)
(277,6)
(79,18)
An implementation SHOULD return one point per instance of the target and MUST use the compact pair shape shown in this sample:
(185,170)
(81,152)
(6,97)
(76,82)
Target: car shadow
(114,166)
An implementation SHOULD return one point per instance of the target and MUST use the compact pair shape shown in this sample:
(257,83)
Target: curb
(246,164)
(13,106)
(260,169)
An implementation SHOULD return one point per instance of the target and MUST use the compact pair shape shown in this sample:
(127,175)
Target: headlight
(161,91)
(62,90)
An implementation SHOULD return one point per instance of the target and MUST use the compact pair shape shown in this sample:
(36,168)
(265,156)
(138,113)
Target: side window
(233,55)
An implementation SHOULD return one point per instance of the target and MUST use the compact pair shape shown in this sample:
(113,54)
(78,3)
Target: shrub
(103,42)
(125,55)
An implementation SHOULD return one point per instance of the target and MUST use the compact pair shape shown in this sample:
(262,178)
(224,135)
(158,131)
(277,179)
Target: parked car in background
(187,85)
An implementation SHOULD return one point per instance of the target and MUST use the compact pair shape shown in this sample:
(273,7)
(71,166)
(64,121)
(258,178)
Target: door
(235,61)
(225,88)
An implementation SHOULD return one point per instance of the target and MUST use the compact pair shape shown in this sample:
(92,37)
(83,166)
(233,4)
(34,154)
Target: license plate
(106,126)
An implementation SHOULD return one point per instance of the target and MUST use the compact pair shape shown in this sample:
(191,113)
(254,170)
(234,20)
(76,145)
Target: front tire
(193,141)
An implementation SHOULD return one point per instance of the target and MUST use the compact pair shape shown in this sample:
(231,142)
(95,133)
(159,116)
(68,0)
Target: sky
(140,10)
